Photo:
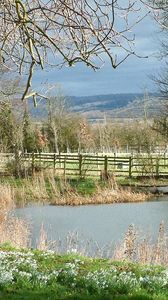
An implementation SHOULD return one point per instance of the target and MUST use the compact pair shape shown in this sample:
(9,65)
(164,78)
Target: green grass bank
(33,274)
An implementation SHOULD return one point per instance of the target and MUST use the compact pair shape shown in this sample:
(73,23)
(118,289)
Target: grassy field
(33,274)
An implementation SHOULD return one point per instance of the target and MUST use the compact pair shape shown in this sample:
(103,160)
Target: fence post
(17,167)
(164,158)
(40,159)
(80,165)
(115,167)
(130,166)
(106,167)
(33,163)
(127,148)
(54,161)
(157,167)
(64,167)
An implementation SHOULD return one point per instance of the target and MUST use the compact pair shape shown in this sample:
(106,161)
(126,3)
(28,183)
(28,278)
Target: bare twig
(35,33)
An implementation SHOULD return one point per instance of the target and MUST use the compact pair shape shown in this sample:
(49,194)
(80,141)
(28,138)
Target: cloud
(131,76)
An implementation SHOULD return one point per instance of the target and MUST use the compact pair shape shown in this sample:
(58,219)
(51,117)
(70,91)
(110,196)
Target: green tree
(28,133)
(62,126)
(8,127)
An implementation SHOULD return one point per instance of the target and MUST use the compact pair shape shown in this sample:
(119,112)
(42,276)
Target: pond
(101,223)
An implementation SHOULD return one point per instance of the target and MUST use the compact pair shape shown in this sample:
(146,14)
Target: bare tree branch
(159,10)
(63,32)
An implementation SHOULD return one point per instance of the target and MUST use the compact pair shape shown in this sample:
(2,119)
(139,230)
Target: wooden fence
(85,165)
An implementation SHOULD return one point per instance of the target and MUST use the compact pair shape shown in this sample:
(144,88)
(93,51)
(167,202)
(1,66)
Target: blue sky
(131,76)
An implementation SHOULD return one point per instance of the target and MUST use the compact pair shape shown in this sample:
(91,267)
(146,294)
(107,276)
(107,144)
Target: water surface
(102,223)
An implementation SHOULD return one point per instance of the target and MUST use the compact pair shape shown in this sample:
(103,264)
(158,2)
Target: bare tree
(56,32)
(159,11)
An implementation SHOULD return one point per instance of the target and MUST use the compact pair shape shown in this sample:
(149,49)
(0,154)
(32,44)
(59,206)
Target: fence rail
(84,165)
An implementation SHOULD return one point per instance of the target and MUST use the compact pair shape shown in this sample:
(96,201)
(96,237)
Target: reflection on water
(102,223)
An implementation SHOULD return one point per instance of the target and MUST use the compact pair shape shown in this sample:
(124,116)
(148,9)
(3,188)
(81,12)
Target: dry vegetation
(105,196)
(43,189)
(110,194)
(134,247)
(143,250)
(12,229)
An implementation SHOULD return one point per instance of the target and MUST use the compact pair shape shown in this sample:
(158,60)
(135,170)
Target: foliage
(62,134)
(35,273)
(135,134)
(161,124)
(28,134)
(65,130)
(8,124)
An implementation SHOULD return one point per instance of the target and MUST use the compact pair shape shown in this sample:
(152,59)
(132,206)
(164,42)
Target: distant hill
(102,102)
(112,105)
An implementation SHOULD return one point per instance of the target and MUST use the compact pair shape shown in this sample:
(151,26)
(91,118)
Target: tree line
(64,131)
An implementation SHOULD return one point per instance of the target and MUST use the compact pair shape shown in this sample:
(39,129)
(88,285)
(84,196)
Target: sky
(133,76)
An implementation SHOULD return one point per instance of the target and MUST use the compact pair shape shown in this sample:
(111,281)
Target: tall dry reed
(12,229)
(143,250)
(133,247)
(112,193)
(101,196)
(44,189)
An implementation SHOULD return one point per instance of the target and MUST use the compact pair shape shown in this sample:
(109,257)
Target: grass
(85,186)
(27,295)
(140,181)
(34,274)
(46,188)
